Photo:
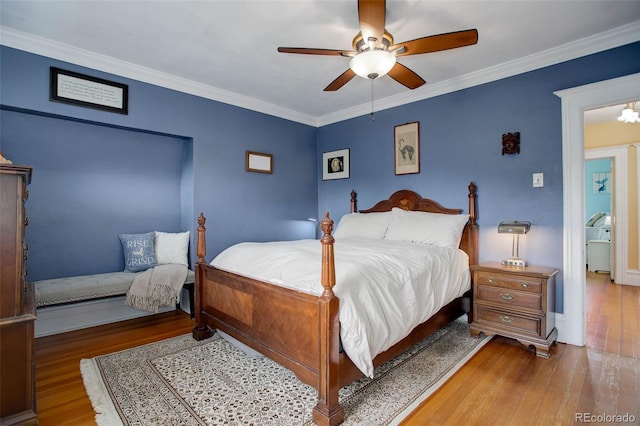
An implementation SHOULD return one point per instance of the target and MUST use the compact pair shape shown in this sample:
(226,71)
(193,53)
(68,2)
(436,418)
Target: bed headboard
(409,200)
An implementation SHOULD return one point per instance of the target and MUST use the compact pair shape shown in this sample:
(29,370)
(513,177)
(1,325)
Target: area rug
(180,381)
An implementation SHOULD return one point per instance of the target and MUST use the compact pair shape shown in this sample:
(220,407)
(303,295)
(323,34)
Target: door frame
(620,208)
(574,102)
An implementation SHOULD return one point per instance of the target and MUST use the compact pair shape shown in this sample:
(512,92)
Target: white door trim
(574,102)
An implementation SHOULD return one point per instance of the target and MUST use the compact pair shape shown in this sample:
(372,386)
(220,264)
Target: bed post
(328,411)
(354,202)
(200,331)
(473,226)
(201,249)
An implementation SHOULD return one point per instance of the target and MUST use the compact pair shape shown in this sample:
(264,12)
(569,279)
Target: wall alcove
(91,182)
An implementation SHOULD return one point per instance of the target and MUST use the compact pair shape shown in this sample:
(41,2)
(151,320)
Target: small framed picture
(335,164)
(406,150)
(259,162)
(601,183)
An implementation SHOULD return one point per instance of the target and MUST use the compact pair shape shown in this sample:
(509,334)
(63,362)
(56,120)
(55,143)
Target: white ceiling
(227,50)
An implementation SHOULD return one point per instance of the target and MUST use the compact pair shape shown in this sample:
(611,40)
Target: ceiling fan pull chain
(372,116)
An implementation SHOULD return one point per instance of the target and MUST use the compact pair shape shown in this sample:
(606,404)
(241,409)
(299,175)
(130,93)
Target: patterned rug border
(107,414)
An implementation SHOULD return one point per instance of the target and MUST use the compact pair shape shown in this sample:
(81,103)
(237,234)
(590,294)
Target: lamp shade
(514,227)
(373,63)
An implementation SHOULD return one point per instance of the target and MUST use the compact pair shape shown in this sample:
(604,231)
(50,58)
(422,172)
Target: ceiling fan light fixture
(373,63)
(629,114)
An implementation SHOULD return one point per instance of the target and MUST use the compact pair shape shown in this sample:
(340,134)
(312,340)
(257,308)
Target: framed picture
(259,162)
(335,164)
(601,183)
(406,148)
(82,90)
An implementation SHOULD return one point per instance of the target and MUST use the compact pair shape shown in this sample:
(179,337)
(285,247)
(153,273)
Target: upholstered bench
(87,287)
(72,303)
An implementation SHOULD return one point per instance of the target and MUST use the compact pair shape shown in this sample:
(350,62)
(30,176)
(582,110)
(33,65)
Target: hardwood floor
(504,384)
(60,393)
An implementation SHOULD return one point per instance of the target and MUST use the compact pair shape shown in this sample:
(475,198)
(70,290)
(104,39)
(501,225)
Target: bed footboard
(298,330)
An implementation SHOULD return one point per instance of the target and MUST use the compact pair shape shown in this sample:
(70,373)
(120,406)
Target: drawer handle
(490,279)
(506,296)
(505,319)
(525,285)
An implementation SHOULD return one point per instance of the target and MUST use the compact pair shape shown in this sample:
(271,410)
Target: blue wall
(461,141)
(239,205)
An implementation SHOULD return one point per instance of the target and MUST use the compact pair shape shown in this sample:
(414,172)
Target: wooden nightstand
(516,303)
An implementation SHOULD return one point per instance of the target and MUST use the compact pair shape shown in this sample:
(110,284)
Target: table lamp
(516,228)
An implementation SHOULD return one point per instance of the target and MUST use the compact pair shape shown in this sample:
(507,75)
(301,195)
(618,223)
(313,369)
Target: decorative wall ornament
(511,143)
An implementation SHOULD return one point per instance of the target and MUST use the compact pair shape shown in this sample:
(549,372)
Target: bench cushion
(86,287)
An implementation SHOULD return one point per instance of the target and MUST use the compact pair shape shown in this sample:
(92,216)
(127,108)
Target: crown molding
(41,46)
(63,52)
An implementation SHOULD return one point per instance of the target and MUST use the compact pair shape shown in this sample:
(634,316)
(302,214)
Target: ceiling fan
(375,53)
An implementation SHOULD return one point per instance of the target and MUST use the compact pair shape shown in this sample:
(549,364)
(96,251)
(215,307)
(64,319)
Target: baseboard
(561,325)
(75,316)
(631,277)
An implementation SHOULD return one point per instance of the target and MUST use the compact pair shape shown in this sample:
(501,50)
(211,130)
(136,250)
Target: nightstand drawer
(508,298)
(507,320)
(507,281)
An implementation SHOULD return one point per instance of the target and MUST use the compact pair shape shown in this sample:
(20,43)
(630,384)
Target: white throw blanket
(157,286)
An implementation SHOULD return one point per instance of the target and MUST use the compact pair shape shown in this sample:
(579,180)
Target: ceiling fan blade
(311,51)
(437,43)
(372,15)
(343,79)
(405,76)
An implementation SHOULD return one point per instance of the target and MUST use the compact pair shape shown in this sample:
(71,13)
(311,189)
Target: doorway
(600,191)
(574,101)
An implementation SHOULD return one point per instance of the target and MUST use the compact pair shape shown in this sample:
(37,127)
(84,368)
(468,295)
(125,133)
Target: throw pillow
(172,247)
(139,251)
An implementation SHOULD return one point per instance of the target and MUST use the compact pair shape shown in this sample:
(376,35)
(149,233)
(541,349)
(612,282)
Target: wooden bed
(301,331)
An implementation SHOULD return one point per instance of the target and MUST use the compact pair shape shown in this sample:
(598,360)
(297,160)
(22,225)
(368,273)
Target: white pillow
(363,225)
(442,230)
(172,247)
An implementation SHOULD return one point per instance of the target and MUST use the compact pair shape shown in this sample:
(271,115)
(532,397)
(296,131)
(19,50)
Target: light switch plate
(538,180)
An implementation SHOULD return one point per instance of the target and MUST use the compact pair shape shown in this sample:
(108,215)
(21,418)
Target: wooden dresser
(515,302)
(17,303)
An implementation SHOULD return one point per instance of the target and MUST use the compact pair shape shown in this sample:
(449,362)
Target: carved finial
(472,203)
(327,227)
(201,246)
(354,202)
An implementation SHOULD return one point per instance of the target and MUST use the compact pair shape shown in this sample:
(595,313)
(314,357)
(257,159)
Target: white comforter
(385,287)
